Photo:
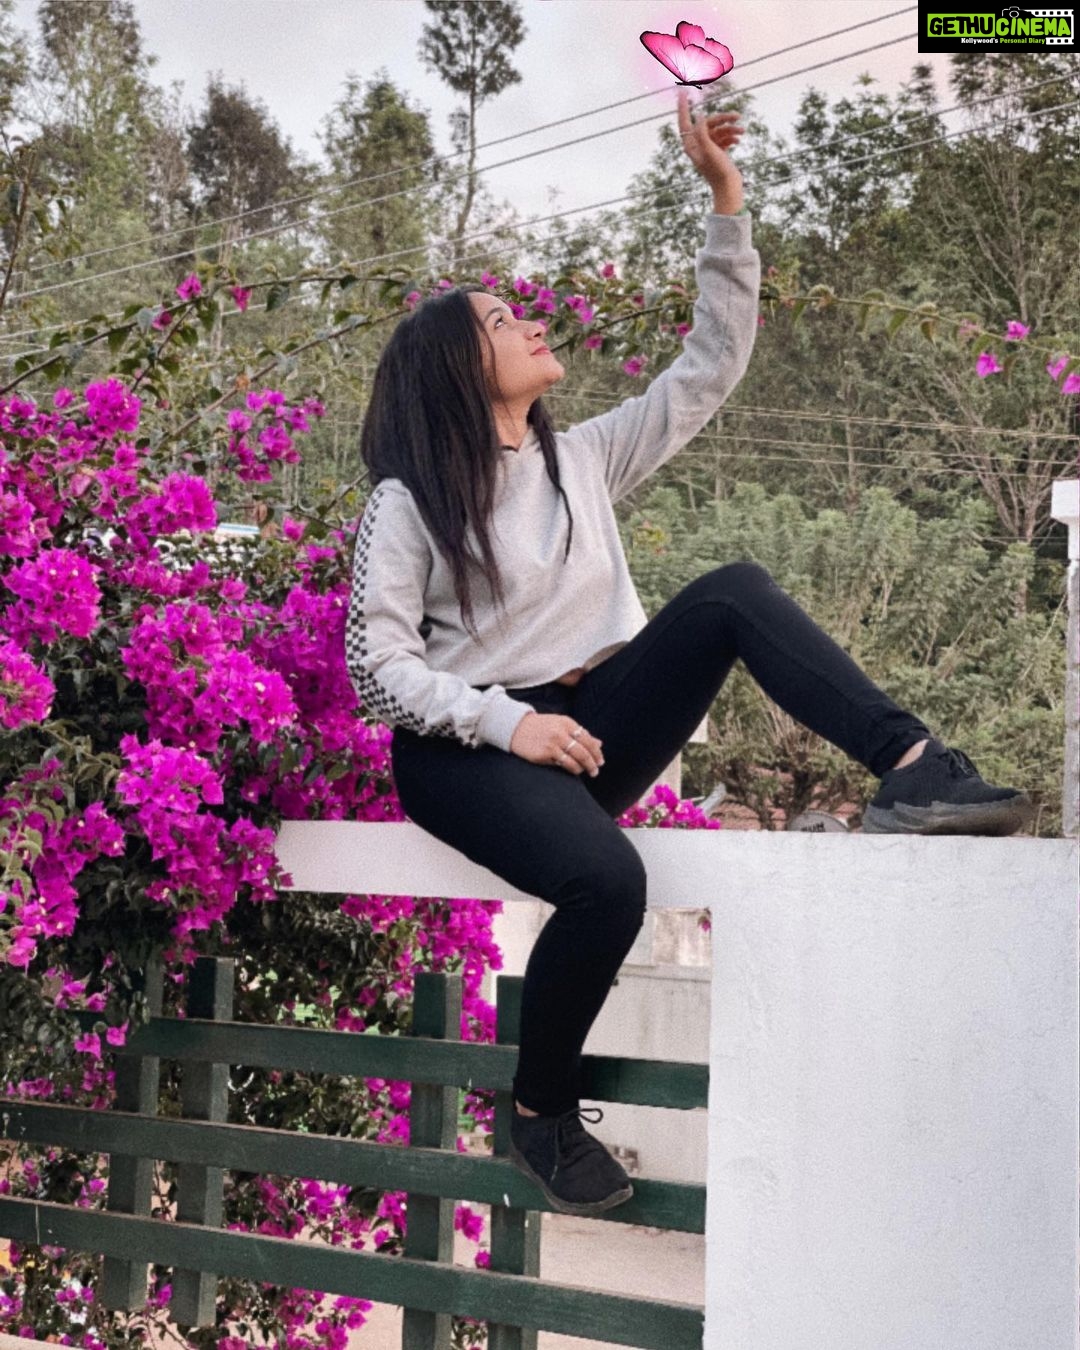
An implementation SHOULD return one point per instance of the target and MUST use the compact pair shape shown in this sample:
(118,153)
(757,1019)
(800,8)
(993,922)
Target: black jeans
(552,833)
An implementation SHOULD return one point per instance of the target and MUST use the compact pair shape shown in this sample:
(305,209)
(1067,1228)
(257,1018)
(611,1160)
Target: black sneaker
(572,1167)
(942,793)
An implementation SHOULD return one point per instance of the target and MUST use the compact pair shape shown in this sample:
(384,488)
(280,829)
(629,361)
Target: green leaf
(1007,366)
(116,339)
(896,323)
(1067,369)
(797,309)
(277,296)
(928,326)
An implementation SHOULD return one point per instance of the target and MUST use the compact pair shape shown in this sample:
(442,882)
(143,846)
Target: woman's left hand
(707,140)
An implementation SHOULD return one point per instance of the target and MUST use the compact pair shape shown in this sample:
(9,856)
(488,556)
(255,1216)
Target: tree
(371,133)
(93,65)
(14,61)
(239,161)
(468,48)
(241,166)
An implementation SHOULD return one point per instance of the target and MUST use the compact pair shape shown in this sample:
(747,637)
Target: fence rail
(509,1295)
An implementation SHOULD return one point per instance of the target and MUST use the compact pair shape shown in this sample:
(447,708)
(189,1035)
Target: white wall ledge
(893,1072)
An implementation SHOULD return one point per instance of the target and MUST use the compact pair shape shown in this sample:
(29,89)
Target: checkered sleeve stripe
(371,608)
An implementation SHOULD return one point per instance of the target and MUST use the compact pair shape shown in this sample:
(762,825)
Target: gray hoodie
(409,656)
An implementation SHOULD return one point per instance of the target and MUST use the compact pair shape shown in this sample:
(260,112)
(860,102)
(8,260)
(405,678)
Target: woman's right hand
(542,738)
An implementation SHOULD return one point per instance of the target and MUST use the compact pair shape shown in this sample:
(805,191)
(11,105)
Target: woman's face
(520,374)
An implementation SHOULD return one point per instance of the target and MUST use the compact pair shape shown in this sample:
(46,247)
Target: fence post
(433,1122)
(125,1284)
(1065,507)
(204,1095)
(515,1233)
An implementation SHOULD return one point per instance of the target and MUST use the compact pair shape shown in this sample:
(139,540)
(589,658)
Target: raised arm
(635,438)
(384,649)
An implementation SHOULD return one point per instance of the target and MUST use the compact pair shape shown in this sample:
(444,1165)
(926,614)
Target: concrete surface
(617,1258)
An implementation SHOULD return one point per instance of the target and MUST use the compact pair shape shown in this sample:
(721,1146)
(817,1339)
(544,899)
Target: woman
(531,700)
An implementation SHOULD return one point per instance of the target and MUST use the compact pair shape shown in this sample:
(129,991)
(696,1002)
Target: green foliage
(936,619)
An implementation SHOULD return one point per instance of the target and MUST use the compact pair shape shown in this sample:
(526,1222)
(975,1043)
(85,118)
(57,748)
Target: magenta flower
(90,1043)
(112,408)
(581,306)
(489,279)
(59,593)
(189,288)
(987,364)
(241,295)
(1054,369)
(1072,384)
(26,692)
(594,340)
(634,364)
(411,299)
(163,320)
(608,270)
(1016,331)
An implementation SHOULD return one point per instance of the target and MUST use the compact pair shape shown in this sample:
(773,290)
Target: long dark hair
(430,424)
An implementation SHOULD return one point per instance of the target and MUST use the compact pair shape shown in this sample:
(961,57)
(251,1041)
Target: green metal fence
(424,1282)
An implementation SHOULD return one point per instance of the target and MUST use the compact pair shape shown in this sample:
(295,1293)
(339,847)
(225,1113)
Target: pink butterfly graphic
(690,55)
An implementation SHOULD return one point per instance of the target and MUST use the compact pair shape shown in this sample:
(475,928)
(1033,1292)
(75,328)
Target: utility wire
(371,201)
(841,416)
(698,455)
(403,192)
(435,160)
(480,234)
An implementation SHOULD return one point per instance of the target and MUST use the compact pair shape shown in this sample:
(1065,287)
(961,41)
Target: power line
(538,220)
(774,413)
(371,201)
(436,159)
(697,454)
(752,410)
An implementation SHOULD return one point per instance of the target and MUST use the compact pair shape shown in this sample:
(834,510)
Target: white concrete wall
(893,1100)
(893,1079)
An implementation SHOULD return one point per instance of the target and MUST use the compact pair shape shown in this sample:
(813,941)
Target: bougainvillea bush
(163,710)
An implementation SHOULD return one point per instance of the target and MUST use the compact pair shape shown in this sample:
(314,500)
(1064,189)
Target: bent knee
(615,885)
(735,578)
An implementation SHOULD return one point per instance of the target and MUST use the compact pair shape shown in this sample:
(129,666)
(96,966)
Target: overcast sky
(577,55)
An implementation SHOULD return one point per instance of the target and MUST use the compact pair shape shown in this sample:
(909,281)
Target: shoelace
(571,1139)
(957,763)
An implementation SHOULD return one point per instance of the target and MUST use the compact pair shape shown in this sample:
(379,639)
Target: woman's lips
(542,351)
